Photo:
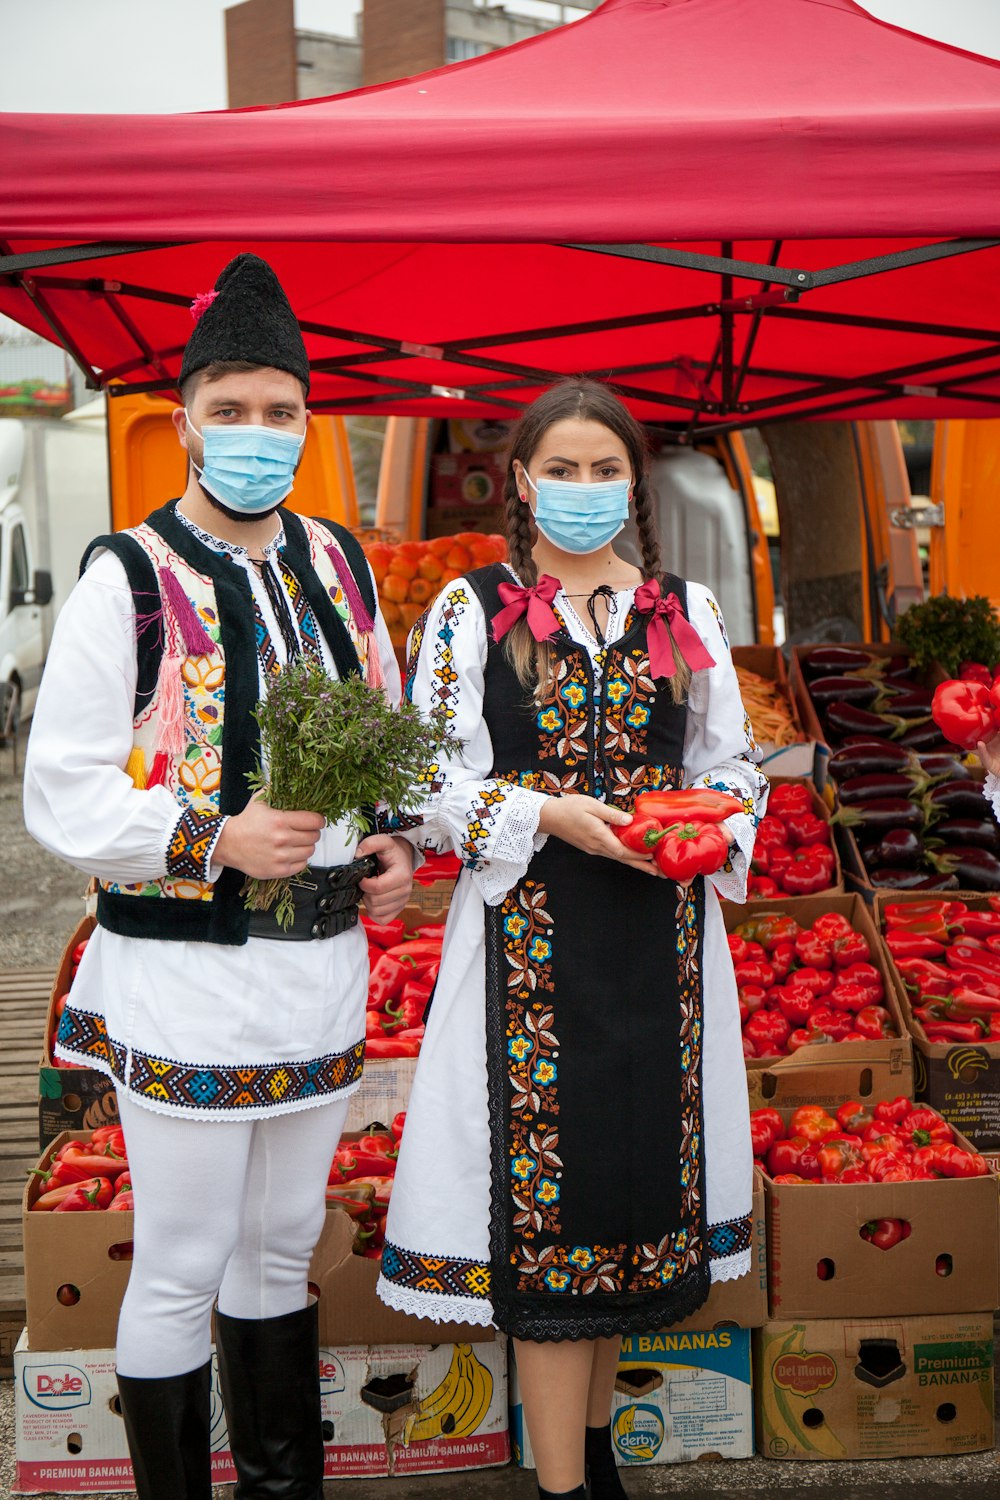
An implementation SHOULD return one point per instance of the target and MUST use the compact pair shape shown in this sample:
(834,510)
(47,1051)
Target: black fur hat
(247,317)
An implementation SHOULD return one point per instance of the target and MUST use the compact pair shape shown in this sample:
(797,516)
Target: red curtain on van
(714,203)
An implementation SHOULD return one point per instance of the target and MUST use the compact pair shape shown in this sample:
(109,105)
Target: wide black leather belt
(326,900)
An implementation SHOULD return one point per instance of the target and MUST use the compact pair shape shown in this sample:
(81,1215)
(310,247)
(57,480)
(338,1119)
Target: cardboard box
(818,1266)
(77,1268)
(384,1090)
(679,1397)
(467,480)
(897,1388)
(741,1303)
(70,1098)
(70,1435)
(961,1080)
(833,1071)
(784,760)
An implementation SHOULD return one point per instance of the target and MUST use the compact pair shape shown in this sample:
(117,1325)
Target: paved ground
(40,903)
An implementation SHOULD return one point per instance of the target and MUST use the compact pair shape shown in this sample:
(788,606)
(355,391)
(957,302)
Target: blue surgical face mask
(580,517)
(248,469)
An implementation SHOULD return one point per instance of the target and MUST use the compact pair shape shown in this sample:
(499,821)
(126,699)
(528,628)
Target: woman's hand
(586,824)
(387,892)
(989,754)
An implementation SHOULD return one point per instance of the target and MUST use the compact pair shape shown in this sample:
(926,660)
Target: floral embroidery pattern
(717,612)
(532,1066)
(445,675)
(580,1268)
(546,781)
(659,1265)
(413,655)
(564,717)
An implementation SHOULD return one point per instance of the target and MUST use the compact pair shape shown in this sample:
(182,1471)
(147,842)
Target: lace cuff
(991,791)
(731,880)
(515,840)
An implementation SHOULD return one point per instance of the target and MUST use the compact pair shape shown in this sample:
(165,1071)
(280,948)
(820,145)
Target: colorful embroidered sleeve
(719,747)
(991,791)
(78,801)
(492,825)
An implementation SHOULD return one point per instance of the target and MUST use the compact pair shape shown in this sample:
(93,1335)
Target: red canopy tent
(735,209)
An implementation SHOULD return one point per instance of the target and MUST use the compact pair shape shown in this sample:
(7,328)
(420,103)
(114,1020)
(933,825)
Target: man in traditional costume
(204,1014)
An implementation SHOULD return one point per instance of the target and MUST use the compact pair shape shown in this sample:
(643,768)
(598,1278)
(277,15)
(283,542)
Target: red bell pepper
(699,804)
(397,1125)
(685,850)
(964,712)
(757,971)
(737,948)
(122,1203)
(848,996)
(766,1127)
(952,1161)
(866,976)
(768,929)
(89,1196)
(874,1023)
(853,1117)
(402,1044)
(808,871)
(384,934)
(752,997)
(850,948)
(807,828)
(782,959)
(883,1233)
(830,926)
(769,1032)
(789,798)
(815,952)
(795,1002)
(641,835)
(787,1156)
(812,1122)
(819,982)
(386,981)
(771,831)
(892,1112)
(925,1127)
(837,1024)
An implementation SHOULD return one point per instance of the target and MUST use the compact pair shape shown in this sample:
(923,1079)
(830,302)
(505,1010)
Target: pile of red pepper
(803,985)
(60,1006)
(895,1141)
(403,969)
(87,1176)
(360,1183)
(792,854)
(683,829)
(949,961)
(966,709)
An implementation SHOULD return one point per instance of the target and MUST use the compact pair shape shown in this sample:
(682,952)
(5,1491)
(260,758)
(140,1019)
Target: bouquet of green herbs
(950,631)
(335,748)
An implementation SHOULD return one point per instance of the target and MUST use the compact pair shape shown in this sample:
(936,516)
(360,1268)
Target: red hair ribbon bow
(663,612)
(535,602)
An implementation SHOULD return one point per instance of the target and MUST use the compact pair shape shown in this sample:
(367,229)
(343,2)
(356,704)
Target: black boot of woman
(602,1471)
(580,1493)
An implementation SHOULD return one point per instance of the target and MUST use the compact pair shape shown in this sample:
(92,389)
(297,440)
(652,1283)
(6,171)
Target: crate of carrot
(410,575)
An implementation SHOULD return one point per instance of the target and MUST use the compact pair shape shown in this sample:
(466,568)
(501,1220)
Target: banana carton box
(679,1396)
(874,1388)
(409,1409)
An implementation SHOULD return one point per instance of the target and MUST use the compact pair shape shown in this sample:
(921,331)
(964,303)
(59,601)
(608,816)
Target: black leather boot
(602,1471)
(580,1493)
(167,1422)
(269,1374)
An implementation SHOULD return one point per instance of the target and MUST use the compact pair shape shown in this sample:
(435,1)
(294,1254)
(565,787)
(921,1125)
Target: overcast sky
(147,56)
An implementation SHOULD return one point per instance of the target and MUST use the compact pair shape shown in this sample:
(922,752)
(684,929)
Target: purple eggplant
(827,660)
(976,869)
(898,847)
(880,815)
(826,690)
(971,833)
(880,784)
(912,704)
(940,765)
(866,758)
(954,799)
(912,880)
(921,736)
(848,718)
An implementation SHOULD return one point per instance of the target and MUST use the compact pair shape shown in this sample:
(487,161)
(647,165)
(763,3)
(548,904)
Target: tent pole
(726,331)
(63,255)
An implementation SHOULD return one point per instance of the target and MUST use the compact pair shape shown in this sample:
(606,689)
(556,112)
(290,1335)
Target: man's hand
(267,844)
(387,892)
(989,754)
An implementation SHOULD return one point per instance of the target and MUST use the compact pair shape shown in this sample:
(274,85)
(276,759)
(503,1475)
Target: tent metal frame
(717,384)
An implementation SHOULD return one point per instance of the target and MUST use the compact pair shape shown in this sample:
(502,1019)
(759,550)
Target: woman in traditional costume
(577,1162)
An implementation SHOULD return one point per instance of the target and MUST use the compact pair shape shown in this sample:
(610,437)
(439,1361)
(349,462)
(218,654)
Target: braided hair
(587,401)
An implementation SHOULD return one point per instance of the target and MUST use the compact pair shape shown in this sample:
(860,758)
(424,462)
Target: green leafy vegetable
(950,631)
(336,748)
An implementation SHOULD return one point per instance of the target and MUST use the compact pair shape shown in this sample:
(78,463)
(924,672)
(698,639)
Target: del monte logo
(805,1374)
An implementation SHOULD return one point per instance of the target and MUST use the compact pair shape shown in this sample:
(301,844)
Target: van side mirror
(40,592)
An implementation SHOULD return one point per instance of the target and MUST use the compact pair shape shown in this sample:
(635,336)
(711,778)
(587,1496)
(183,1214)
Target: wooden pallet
(24,997)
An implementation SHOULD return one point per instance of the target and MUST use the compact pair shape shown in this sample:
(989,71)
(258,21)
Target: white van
(53,500)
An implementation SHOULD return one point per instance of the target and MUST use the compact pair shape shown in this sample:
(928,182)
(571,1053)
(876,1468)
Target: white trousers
(228,1211)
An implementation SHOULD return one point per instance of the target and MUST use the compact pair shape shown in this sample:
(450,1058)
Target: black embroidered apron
(594,1018)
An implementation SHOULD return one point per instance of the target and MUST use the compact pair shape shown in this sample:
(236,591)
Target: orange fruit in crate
(390,612)
(421,591)
(395,588)
(430,567)
(459,558)
(402,567)
(410,614)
